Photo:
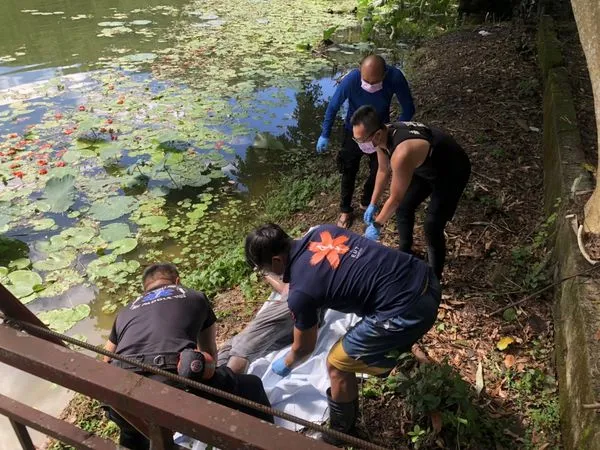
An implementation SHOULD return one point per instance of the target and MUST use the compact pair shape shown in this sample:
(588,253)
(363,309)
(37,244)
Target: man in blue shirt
(396,294)
(375,83)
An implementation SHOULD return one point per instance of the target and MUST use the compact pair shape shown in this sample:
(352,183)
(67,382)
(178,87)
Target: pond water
(134,131)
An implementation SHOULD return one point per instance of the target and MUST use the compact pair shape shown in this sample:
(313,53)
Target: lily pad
(3,271)
(140,22)
(123,246)
(59,281)
(112,208)
(20,263)
(56,260)
(111,24)
(61,320)
(60,193)
(43,224)
(115,231)
(155,223)
(24,282)
(71,237)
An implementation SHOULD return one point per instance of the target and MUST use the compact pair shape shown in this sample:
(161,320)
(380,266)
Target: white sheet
(302,393)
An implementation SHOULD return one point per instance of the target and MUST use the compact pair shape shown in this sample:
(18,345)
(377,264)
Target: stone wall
(577,301)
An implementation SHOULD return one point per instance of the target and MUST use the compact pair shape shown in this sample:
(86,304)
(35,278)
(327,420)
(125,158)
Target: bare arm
(277,285)
(207,340)
(383,176)
(111,347)
(304,344)
(406,158)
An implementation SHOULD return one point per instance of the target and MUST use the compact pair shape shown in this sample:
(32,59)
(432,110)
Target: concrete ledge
(577,301)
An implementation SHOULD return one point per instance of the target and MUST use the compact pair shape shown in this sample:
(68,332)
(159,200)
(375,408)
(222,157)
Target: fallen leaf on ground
(509,361)
(479,384)
(504,343)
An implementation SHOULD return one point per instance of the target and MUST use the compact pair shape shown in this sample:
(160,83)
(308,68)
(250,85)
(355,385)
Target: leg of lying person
(365,349)
(130,437)
(272,326)
(249,387)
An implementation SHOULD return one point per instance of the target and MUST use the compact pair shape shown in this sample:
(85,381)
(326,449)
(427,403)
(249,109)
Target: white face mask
(367,147)
(371,88)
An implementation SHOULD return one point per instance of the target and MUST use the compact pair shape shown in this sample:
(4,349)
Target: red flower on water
(111,87)
(42,171)
(103,130)
(60,164)
(219,145)
(22,143)
(18,174)
(329,248)
(81,107)
(14,166)
(45,146)
(109,121)
(121,100)
(13,135)
(1,153)
(12,151)
(42,162)
(58,116)
(69,131)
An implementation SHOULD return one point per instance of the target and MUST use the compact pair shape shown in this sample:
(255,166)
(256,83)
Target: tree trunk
(587,15)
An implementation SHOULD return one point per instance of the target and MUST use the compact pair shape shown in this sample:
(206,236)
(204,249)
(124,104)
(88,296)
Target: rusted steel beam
(51,426)
(22,435)
(12,307)
(147,399)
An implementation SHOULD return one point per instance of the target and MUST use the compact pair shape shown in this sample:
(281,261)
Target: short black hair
(263,243)
(368,117)
(167,270)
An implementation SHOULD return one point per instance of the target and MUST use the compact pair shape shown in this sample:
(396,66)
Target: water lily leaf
(112,208)
(71,237)
(43,224)
(3,271)
(111,24)
(59,281)
(123,246)
(56,260)
(61,320)
(60,193)
(11,249)
(23,282)
(504,343)
(29,298)
(20,263)
(115,231)
(155,223)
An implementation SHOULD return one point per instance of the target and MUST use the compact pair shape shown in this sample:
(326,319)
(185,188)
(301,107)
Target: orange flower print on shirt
(329,248)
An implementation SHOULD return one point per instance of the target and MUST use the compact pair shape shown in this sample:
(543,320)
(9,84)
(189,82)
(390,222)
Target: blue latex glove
(372,233)
(369,216)
(280,368)
(322,144)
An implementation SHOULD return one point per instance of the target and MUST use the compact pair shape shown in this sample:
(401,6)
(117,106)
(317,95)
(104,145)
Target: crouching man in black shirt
(168,326)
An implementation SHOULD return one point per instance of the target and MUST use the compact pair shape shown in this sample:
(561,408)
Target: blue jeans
(365,348)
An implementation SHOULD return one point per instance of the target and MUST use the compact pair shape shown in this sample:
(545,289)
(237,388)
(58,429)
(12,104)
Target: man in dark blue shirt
(375,83)
(396,294)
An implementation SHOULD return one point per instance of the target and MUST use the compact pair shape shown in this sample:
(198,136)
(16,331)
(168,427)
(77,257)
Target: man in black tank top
(424,161)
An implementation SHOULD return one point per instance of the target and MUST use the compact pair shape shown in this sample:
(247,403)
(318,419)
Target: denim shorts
(366,347)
